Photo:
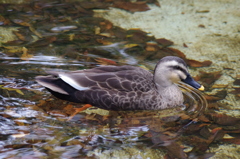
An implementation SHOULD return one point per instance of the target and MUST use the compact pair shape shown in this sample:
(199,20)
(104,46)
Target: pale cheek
(174,77)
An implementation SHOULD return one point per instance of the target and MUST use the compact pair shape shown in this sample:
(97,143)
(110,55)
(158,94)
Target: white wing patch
(72,82)
(52,87)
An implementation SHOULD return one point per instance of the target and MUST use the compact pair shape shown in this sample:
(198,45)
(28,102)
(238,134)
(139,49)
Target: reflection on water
(42,60)
(119,49)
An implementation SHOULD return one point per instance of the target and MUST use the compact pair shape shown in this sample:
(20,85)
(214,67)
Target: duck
(122,88)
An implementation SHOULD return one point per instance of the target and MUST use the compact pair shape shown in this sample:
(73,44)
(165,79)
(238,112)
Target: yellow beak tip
(201,88)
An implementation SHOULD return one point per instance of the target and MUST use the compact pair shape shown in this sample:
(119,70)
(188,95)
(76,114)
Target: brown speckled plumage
(121,87)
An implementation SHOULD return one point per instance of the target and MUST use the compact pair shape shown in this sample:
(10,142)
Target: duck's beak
(189,80)
(201,88)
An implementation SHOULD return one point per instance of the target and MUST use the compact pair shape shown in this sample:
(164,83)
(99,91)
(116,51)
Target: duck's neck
(171,93)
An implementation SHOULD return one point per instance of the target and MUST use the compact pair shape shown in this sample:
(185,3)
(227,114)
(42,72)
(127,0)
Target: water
(54,36)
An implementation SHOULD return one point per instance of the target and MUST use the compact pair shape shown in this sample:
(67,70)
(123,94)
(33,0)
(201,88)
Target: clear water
(54,36)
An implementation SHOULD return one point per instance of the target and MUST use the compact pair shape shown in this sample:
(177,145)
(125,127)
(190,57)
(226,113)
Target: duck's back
(121,78)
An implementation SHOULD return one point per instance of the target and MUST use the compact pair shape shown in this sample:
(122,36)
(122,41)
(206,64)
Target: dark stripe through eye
(179,68)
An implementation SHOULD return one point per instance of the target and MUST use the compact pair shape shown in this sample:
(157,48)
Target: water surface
(64,36)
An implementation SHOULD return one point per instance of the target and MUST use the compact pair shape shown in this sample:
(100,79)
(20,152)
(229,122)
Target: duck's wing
(120,78)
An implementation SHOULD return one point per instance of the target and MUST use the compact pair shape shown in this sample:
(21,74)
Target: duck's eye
(177,67)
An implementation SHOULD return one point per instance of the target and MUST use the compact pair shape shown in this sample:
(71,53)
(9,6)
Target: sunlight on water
(44,60)
(22,113)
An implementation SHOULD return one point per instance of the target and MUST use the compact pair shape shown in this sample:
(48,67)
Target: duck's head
(172,69)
